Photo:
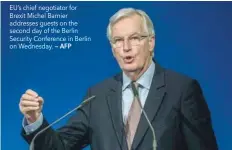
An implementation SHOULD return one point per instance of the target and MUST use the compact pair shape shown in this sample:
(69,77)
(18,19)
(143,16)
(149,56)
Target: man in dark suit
(114,120)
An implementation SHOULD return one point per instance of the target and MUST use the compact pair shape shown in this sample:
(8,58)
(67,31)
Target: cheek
(143,53)
(148,50)
(117,54)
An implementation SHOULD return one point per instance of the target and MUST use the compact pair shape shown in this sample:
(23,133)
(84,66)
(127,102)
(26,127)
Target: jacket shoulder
(177,80)
(106,84)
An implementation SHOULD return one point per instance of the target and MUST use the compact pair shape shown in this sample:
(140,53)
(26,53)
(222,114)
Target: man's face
(131,56)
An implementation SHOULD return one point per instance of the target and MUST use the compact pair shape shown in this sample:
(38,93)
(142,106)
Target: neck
(138,73)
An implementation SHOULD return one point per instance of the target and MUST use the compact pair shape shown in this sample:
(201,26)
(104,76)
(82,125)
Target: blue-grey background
(194,38)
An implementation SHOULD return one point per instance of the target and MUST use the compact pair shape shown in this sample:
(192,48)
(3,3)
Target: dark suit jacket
(175,105)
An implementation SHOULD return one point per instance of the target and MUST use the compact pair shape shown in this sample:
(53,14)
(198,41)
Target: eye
(135,38)
(118,40)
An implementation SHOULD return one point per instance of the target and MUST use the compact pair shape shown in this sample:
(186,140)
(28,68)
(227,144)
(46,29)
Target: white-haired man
(116,119)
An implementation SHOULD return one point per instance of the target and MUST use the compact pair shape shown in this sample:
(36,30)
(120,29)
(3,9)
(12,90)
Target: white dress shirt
(144,86)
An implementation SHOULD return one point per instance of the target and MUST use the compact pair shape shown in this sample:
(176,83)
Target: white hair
(127,12)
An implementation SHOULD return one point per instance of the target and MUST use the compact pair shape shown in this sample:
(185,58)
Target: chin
(130,67)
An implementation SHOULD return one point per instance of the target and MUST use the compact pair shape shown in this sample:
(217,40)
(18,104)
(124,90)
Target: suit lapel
(153,102)
(114,101)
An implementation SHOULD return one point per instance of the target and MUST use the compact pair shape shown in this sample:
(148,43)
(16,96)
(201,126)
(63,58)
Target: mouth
(128,59)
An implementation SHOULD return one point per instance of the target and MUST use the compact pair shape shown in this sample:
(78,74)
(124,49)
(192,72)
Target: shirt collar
(145,80)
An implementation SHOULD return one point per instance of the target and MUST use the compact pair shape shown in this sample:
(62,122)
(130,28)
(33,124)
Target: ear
(151,43)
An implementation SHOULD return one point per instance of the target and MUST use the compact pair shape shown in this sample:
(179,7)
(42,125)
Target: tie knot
(134,87)
(135,84)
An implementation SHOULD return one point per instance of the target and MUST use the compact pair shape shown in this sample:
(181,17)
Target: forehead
(127,26)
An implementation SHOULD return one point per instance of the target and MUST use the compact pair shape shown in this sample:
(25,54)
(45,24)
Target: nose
(126,45)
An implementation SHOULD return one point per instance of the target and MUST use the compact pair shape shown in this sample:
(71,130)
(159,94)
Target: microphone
(136,94)
(79,106)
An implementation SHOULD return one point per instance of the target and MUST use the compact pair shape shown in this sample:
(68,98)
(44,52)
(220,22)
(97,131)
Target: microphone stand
(136,94)
(83,103)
